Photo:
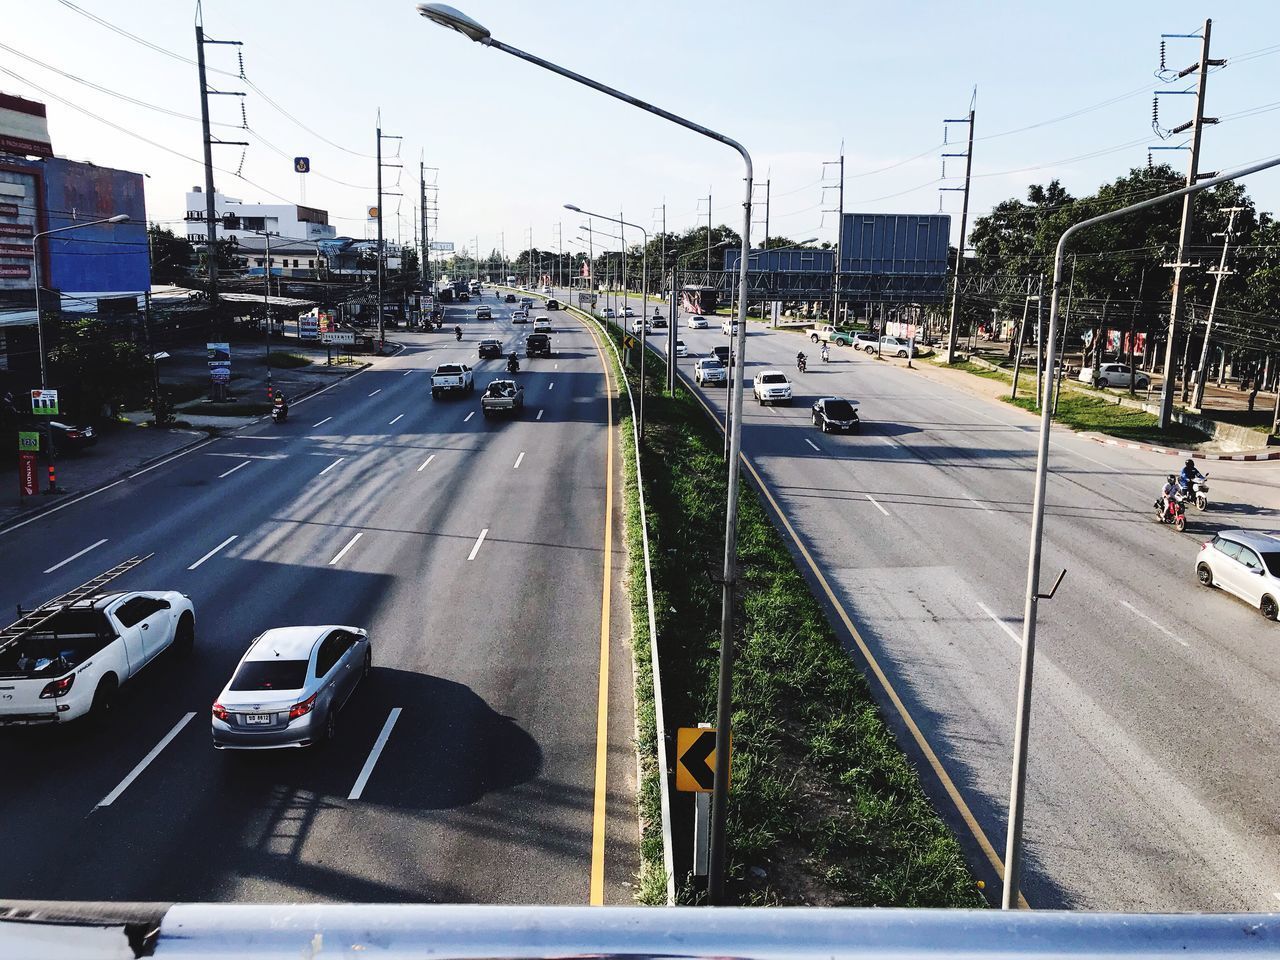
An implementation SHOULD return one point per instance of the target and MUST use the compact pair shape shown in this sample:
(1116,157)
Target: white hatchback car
(541,324)
(728,327)
(1246,563)
(695,322)
(772,386)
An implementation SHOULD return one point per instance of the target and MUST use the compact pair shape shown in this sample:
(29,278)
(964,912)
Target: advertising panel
(309,325)
(28,485)
(219,354)
(109,258)
(24,129)
(18,191)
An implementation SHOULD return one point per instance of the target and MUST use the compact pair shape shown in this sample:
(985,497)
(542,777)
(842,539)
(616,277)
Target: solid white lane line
(330,466)
(406,373)
(213,551)
(376,752)
(479,540)
(77,556)
(468,416)
(812,444)
(540,413)
(1000,623)
(977,503)
(877,504)
(242,463)
(392,423)
(425,462)
(321,423)
(123,785)
(350,543)
(551,385)
(376,392)
(518,459)
(1168,633)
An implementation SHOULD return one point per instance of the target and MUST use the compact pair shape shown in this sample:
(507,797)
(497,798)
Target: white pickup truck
(452,378)
(74,657)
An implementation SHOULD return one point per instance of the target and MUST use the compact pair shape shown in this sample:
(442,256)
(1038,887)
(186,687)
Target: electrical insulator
(1150,164)
(1162,62)
(240,54)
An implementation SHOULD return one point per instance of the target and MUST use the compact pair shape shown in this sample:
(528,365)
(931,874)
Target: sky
(1062,91)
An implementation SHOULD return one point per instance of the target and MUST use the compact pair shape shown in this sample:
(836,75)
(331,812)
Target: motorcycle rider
(279,405)
(513,365)
(1168,494)
(457,333)
(826,353)
(1189,475)
(801,360)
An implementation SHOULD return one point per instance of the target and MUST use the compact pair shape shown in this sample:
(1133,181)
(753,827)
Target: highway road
(1152,766)
(485,560)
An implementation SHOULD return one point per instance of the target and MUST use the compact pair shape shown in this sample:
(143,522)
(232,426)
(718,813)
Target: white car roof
(287,643)
(1257,539)
(765,373)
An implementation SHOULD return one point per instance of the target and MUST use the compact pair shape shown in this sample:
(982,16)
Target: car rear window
(448,368)
(1229,547)
(270,675)
(839,410)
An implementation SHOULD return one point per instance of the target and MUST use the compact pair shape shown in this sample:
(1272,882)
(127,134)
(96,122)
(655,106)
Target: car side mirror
(164,604)
(1257,570)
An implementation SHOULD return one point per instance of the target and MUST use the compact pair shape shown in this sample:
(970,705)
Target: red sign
(15,271)
(11,250)
(28,485)
(8,209)
(15,230)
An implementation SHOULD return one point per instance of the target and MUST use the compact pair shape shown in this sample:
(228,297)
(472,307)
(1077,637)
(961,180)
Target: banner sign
(339,337)
(44,402)
(309,326)
(28,485)
(219,354)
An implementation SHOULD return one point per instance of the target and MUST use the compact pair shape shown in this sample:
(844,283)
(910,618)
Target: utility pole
(964,223)
(425,285)
(382,330)
(1218,274)
(708,280)
(835,263)
(211,213)
(1184,234)
(768,189)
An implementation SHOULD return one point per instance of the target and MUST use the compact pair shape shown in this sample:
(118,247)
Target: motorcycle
(1199,492)
(801,364)
(279,410)
(1176,514)
(513,365)
(457,334)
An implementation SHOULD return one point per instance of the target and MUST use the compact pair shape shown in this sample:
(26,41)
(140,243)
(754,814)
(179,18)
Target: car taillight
(303,708)
(57,688)
(220,712)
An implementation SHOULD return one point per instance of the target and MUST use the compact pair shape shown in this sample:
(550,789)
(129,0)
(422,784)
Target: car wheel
(184,638)
(1204,575)
(902,353)
(435,394)
(1269,608)
(104,698)
(1142,384)
(1102,382)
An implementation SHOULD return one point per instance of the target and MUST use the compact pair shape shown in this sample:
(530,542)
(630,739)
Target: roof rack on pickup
(33,620)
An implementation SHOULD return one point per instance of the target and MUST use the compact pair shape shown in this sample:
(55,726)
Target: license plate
(258,718)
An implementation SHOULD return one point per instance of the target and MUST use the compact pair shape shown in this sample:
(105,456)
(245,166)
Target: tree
(171,255)
(101,369)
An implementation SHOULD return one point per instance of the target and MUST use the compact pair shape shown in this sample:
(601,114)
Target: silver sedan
(289,686)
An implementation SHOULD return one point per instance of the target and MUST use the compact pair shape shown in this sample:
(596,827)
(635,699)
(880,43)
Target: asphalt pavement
(1151,768)
(474,552)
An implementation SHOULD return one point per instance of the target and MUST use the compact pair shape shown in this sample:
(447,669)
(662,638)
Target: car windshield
(839,410)
(711,365)
(1272,560)
(270,675)
(773,378)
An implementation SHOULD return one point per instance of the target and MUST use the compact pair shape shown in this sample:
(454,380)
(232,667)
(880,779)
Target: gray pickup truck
(502,397)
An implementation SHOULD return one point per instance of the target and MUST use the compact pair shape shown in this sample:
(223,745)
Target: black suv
(537,345)
(509,298)
(553,304)
(490,349)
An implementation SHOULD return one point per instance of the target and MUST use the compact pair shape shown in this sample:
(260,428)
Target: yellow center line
(602,704)
(917,734)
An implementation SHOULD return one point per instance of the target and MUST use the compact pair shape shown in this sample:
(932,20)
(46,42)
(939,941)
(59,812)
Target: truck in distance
(502,398)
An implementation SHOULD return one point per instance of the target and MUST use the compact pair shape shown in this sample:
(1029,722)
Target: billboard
(109,258)
(894,257)
(19,192)
(24,130)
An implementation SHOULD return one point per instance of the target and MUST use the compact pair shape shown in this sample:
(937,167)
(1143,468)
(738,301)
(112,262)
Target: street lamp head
(454,19)
(570,206)
(119,218)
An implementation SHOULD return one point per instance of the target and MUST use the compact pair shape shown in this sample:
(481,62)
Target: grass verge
(287,361)
(825,807)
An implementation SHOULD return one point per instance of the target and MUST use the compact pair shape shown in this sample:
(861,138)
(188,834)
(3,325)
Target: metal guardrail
(401,932)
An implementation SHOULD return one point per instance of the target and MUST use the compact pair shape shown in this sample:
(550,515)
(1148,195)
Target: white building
(238,219)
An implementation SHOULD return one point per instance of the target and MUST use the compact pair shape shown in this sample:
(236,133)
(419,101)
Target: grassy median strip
(825,807)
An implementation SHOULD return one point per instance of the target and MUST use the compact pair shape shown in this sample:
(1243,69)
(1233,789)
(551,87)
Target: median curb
(1194,454)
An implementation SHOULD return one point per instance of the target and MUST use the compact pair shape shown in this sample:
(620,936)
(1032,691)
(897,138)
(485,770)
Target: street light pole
(644,300)
(35,269)
(1022,722)
(448,17)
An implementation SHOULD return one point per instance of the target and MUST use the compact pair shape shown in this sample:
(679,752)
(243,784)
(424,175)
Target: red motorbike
(1175,514)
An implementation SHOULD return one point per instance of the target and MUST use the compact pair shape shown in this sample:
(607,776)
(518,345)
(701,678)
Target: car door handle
(146,626)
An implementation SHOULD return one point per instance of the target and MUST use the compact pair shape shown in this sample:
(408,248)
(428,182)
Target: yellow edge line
(602,705)
(947,784)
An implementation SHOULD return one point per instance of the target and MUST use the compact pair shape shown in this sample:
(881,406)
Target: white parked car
(541,324)
(709,370)
(1246,563)
(1114,375)
(865,341)
(681,349)
(73,662)
(695,322)
(771,386)
(897,347)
